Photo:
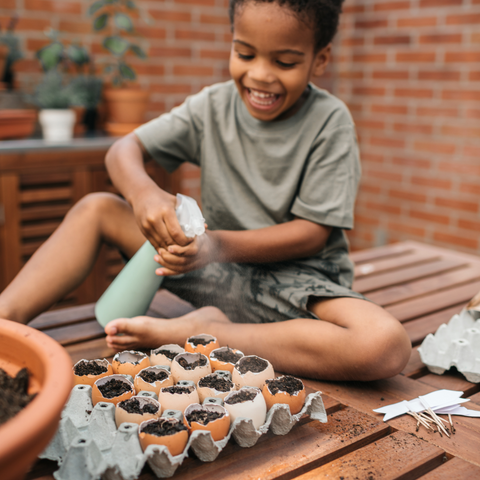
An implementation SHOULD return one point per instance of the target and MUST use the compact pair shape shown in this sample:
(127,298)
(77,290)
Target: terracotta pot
(3,59)
(17,123)
(29,432)
(126,105)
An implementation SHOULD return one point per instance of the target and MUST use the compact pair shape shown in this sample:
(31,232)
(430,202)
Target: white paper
(458,410)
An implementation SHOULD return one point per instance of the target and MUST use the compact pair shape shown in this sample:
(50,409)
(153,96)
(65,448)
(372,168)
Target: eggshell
(122,416)
(204,392)
(218,428)
(251,379)
(177,401)
(175,443)
(157,358)
(90,379)
(218,364)
(143,385)
(295,401)
(205,349)
(179,373)
(97,394)
(255,409)
(130,362)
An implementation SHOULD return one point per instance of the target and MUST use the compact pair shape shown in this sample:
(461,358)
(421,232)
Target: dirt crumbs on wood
(132,405)
(252,364)
(151,377)
(89,368)
(288,384)
(228,356)
(218,383)
(113,388)
(203,417)
(200,341)
(164,427)
(201,362)
(177,389)
(241,396)
(13,394)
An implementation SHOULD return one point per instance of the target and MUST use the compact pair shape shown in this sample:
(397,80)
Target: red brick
(464,95)
(439,75)
(440,38)
(392,40)
(369,91)
(25,65)
(406,228)
(192,70)
(472,112)
(36,24)
(456,204)
(458,240)
(410,57)
(469,225)
(391,5)
(194,35)
(379,23)
(352,42)
(394,109)
(215,54)
(75,27)
(462,167)
(466,187)
(350,74)
(370,57)
(414,92)
(366,220)
(474,76)
(369,157)
(152,32)
(370,124)
(215,19)
(437,112)
(171,88)
(149,69)
(432,182)
(9,4)
(471,151)
(353,9)
(413,128)
(387,142)
(228,37)
(435,147)
(475,37)
(171,15)
(412,162)
(170,52)
(384,207)
(391,74)
(439,3)
(464,19)
(368,188)
(460,131)
(197,2)
(462,57)
(417,22)
(58,6)
(407,195)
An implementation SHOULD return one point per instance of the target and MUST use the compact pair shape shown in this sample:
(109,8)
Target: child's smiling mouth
(261,99)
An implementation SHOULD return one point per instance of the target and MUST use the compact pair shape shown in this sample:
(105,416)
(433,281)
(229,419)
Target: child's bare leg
(355,340)
(66,258)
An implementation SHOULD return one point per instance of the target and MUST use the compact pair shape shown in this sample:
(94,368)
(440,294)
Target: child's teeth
(263,98)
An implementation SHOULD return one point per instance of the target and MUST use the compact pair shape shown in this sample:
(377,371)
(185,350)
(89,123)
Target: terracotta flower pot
(17,123)
(27,434)
(126,106)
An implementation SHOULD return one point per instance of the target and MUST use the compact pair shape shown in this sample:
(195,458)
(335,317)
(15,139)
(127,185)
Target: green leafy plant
(9,39)
(114,16)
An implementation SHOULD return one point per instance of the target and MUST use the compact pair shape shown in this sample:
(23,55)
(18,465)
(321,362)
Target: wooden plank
(168,305)
(76,333)
(455,468)
(41,229)
(46,194)
(434,302)
(384,280)
(29,179)
(42,212)
(398,455)
(415,367)
(450,380)
(377,253)
(90,350)
(60,318)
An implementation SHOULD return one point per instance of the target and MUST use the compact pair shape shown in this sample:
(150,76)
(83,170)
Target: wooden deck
(421,285)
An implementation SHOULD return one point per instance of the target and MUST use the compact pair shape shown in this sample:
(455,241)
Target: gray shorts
(258,293)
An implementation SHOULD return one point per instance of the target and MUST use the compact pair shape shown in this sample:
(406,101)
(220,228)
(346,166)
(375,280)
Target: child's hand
(176,259)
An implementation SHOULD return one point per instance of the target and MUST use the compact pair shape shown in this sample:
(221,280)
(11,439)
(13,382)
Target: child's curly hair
(321,15)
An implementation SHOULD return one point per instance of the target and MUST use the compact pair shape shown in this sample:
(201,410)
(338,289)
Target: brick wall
(408,69)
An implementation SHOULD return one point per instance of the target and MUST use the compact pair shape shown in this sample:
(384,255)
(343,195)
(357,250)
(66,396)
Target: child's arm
(154,208)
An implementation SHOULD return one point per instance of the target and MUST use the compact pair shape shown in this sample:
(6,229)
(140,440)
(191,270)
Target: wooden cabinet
(38,185)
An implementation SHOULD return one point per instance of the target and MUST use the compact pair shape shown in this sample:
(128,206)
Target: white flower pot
(57,125)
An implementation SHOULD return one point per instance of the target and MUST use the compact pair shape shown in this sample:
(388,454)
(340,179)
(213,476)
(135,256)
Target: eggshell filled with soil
(130,362)
(213,385)
(177,397)
(212,418)
(87,372)
(287,390)
(112,389)
(137,410)
(247,402)
(170,432)
(203,343)
(152,379)
(190,366)
(224,358)
(252,371)
(165,354)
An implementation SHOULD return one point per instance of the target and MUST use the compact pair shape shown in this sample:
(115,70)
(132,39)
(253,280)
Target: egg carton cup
(455,344)
(88,445)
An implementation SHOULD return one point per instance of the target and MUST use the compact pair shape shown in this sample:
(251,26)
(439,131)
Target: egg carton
(88,445)
(455,344)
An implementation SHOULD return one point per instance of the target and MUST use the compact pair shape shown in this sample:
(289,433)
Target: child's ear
(322,58)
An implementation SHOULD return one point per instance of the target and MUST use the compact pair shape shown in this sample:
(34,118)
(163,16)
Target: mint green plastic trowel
(133,289)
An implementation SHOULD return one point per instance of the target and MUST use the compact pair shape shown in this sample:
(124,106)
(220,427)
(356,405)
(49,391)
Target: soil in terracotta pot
(203,417)
(241,396)
(177,389)
(161,429)
(151,377)
(89,368)
(113,388)
(132,405)
(190,366)
(252,364)
(13,394)
(286,384)
(228,356)
(218,383)
(168,353)
(200,341)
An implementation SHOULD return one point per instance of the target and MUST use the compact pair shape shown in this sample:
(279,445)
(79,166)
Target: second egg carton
(88,445)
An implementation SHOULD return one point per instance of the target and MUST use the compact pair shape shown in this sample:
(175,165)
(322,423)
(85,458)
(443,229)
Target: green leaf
(126,72)
(138,51)
(96,6)
(131,5)
(50,56)
(100,22)
(116,45)
(123,22)
(78,54)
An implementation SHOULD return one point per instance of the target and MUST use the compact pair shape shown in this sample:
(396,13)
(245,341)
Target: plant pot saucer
(119,129)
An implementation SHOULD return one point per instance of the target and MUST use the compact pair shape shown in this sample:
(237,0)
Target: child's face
(273,59)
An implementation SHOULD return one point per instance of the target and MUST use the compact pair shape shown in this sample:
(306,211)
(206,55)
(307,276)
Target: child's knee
(95,205)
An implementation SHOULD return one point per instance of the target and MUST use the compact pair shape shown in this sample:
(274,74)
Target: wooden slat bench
(423,286)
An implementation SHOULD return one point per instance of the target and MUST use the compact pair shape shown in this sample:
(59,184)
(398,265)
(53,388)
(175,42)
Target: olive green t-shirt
(256,174)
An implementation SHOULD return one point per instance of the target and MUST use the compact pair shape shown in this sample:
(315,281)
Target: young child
(280,168)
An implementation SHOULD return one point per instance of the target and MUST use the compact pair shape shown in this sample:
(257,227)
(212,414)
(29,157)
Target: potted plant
(125,103)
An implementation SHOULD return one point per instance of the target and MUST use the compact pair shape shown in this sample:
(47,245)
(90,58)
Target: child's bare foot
(150,332)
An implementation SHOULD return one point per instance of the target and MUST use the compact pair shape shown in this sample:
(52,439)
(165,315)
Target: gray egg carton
(88,445)
(455,344)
